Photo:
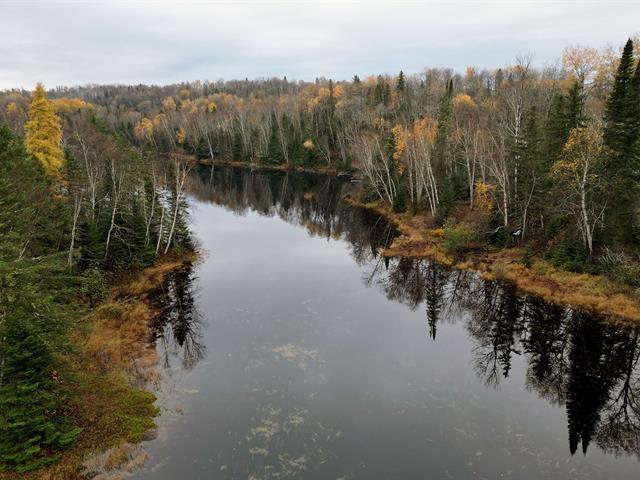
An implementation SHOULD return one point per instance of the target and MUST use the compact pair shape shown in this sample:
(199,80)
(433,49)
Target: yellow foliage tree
(180,136)
(68,105)
(144,129)
(400,141)
(169,104)
(482,194)
(44,134)
(12,108)
(462,100)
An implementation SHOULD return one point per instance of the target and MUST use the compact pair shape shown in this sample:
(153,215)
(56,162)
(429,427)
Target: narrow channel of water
(295,351)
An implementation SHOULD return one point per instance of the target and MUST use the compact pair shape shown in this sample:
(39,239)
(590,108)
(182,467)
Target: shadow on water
(581,361)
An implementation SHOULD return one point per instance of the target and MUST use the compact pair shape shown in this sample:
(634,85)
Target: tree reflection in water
(574,358)
(585,362)
(177,326)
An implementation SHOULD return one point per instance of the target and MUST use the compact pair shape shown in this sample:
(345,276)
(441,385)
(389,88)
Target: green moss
(113,411)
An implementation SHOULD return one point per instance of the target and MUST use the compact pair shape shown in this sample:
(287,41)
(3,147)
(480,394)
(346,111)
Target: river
(292,350)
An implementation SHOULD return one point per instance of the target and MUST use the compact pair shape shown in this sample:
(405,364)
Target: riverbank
(273,168)
(110,370)
(590,292)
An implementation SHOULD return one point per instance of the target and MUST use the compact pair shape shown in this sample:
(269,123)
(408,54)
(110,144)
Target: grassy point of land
(112,362)
(580,290)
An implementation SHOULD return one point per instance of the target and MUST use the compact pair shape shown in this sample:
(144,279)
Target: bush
(92,286)
(572,256)
(399,204)
(621,267)
(527,258)
(458,237)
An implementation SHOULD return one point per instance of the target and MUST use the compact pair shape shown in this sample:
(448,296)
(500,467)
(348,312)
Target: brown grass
(589,292)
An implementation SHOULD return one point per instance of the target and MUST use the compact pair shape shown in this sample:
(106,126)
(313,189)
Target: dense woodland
(552,152)
(92,184)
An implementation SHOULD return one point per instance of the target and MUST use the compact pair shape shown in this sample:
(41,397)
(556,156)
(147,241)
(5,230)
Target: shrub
(527,258)
(399,204)
(458,237)
(621,267)
(572,256)
(92,286)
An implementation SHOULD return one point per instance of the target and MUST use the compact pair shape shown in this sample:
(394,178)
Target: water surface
(295,351)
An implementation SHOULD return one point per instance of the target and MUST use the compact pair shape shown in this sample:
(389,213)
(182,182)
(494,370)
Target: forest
(81,209)
(93,181)
(549,153)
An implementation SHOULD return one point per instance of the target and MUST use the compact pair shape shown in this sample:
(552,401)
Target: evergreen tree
(574,116)
(29,426)
(445,120)
(621,137)
(499,78)
(556,129)
(400,86)
(274,149)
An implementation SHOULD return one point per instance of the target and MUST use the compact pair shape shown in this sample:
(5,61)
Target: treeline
(79,207)
(552,154)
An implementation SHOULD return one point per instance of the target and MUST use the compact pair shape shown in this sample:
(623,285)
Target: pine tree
(615,115)
(556,129)
(620,136)
(274,150)
(574,116)
(44,134)
(31,430)
(634,152)
(445,119)
(401,83)
(499,78)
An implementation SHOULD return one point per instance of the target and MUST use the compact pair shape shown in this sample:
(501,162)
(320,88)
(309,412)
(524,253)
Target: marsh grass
(596,293)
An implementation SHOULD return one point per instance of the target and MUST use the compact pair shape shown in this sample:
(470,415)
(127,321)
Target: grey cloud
(71,43)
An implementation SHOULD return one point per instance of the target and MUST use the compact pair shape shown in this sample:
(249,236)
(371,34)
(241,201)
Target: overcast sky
(68,43)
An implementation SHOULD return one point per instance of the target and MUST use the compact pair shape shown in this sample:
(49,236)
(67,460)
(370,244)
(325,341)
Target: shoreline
(283,167)
(113,380)
(594,293)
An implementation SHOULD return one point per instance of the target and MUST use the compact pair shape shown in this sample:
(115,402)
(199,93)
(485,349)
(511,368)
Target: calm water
(295,351)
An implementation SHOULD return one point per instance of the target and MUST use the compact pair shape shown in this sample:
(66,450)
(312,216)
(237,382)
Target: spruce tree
(615,115)
(445,120)
(620,136)
(574,116)
(274,150)
(556,129)
(401,83)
